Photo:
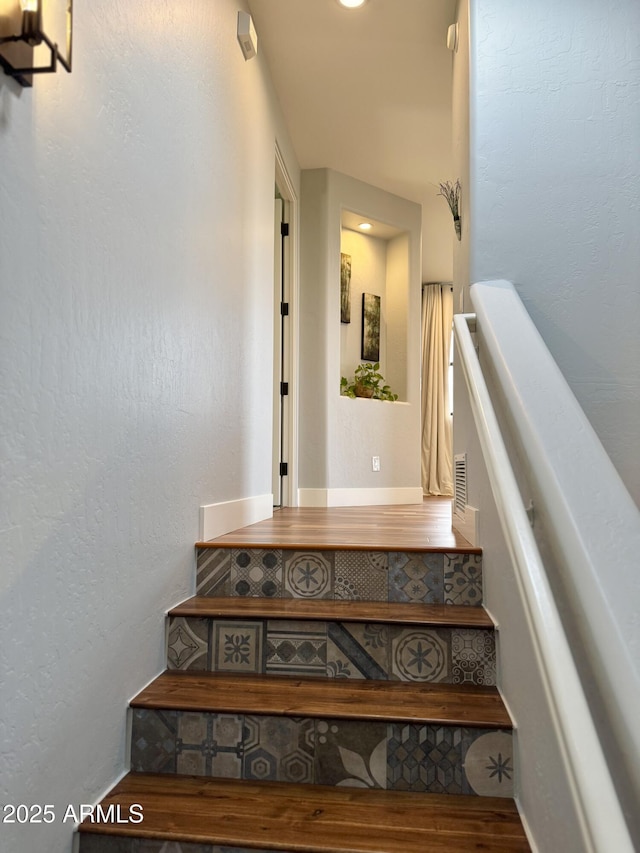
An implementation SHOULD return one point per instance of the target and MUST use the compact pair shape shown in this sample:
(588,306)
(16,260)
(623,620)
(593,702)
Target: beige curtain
(437,317)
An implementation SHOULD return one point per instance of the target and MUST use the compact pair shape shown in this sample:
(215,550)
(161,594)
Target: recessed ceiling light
(352,4)
(365,226)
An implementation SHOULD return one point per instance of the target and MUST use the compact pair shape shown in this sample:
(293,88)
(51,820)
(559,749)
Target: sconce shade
(16,50)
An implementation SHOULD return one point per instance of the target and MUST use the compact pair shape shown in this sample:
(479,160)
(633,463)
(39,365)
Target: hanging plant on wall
(451,192)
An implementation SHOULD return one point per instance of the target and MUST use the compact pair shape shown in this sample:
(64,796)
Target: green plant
(367,382)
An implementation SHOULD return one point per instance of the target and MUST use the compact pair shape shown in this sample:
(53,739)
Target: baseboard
(218,519)
(467,525)
(359,497)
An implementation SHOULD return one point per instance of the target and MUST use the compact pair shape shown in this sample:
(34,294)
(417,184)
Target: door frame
(290,364)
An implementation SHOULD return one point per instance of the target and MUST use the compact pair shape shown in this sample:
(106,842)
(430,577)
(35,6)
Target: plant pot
(363,391)
(458,226)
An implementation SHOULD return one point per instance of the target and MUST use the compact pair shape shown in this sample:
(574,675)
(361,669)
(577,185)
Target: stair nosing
(321,610)
(354,546)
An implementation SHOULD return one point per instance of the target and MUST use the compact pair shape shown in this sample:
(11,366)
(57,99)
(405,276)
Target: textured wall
(136,257)
(556,188)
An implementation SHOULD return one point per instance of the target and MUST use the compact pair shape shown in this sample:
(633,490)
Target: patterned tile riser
(396,756)
(111,844)
(432,578)
(333,649)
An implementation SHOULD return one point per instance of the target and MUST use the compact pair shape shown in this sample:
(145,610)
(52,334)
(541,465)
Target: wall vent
(460,483)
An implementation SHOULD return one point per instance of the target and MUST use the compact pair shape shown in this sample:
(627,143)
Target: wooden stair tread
(310,818)
(449,615)
(446,704)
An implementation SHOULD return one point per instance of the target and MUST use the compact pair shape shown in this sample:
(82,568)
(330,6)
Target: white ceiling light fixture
(365,226)
(352,4)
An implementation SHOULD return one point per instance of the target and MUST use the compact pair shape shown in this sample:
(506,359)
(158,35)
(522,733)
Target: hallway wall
(136,270)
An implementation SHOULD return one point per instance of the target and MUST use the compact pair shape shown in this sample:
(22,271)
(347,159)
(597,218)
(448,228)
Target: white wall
(136,257)
(555,187)
(339,435)
(368,275)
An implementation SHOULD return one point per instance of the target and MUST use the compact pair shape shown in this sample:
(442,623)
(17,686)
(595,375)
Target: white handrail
(602,822)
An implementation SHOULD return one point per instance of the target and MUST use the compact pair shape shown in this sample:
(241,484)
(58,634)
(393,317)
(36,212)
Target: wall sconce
(17,51)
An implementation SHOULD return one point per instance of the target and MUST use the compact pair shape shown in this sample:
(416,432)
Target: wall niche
(377,259)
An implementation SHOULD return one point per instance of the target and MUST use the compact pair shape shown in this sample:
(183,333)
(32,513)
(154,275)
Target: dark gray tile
(351,753)
(90,843)
(153,741)
(210,744)
(357,650)
(416,577)
(148,845)
(279,749)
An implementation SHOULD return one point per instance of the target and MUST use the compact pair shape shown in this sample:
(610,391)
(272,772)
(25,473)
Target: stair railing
(597,805)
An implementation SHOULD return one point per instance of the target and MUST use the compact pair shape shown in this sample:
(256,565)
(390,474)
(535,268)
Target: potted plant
(367,382)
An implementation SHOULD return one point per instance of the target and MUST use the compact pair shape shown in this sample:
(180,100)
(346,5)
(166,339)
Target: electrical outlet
(375,463)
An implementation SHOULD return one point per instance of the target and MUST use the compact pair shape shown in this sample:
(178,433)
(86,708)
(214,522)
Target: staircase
(325,701)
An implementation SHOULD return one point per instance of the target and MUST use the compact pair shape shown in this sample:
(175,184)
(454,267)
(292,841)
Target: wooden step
(301,819)
(398,613)
(398,701)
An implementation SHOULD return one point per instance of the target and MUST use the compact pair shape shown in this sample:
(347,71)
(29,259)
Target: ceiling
(367,92)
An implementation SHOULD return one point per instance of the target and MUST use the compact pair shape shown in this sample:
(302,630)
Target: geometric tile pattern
(473,656)
(209,744)
(256,573)
(279,749)
(153,740)
(431,578)
(463,579)
(296,648)
(357,650)
(213,568)
(187,643)
(421,654)
(416,577)
(354,753)
(361,575)
(308,575)
(450,760)
(237,646)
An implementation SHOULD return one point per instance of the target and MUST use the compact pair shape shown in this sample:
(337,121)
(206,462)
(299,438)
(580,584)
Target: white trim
(467,524)
(602,824)
(359,497)
(221,518)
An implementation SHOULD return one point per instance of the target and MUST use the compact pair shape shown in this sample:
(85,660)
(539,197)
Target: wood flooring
(407,527)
